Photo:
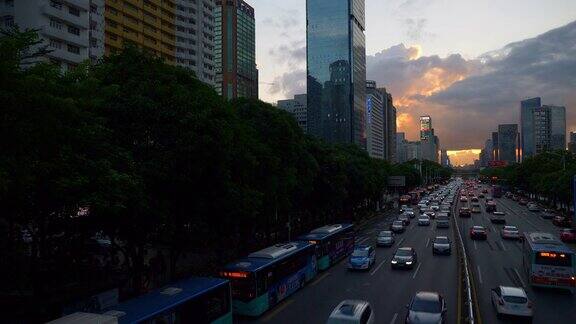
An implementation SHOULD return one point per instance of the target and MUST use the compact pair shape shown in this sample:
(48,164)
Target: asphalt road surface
(499,262)
(387,290)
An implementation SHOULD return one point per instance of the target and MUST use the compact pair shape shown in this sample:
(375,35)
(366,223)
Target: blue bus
(333,242)
(193,300)
(268,276)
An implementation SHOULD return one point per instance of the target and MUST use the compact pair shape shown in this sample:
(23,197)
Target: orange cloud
(463,157)
(404,120)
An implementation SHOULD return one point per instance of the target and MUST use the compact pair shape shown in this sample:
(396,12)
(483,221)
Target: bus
(548,262)
(497,191)
(414,197)
(193,300)
(333,242)
(264,278)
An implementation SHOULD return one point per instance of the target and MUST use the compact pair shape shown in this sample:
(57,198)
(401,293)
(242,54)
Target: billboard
(396,181)
(425,127)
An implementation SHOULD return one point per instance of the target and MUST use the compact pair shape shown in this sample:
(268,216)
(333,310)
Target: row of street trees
(142,153)
(547,175)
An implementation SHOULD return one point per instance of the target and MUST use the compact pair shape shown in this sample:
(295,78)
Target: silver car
(511,301)
(426,307)
(424,220)
(385,238)
(441,245)
(352,312)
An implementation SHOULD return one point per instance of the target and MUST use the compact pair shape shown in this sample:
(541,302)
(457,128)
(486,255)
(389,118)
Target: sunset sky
(467,63)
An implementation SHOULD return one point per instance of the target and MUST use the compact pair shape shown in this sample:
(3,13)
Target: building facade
(429,141)
(543,127)
(401,155)
(194,31)
(72,30)
(235,49)
(375,120)
(507,140)
(297,107)
(391,114)
(413,150)
(495,147)
(336,70)
(572,143)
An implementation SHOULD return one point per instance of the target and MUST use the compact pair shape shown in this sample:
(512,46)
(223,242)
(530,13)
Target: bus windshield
(554,259)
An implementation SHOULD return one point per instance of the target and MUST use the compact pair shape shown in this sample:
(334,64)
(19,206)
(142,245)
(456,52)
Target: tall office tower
(428,140)
(495,147)
(483,158)
(413,150)
(436,149)
(401,155)
(72,29)
(444,160)
(543,127)
(297,107)
(391,114)
(194,23)
(572,143)
(489,149)
(507,139)
(336,70)
(425,127)
(235,49)
(375,101)
(528,144)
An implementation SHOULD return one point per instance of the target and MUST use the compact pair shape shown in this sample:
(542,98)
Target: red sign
(497,164)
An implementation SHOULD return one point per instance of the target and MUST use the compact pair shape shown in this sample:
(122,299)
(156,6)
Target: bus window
(554,259)
(205,309)
(243,288)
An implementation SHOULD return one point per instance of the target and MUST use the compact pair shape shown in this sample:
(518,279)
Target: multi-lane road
(492,262)
(387,290)
(499,262)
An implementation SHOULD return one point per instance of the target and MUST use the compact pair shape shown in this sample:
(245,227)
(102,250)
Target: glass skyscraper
(543,127)
(527,125)
(336,70)
(507,140)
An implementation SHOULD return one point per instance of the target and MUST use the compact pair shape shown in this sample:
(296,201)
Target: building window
(55,24)
(74,11)
(8,21)
(56,4)
(74,30)
(93,42)
(73,49)
(55,44)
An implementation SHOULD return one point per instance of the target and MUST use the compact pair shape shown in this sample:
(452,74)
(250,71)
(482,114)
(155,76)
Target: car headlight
(408,262)
(394,261)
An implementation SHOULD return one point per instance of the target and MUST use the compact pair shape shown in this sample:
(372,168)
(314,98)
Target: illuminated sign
(552,255)
(234,274)
(425,127)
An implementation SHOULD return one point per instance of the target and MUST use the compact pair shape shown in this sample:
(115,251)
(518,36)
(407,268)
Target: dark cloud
(289,83)
(467,99)
(292,54)
(416,29)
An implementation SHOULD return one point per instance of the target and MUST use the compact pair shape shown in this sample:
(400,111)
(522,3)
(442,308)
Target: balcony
(63,54)
(64,35)
(84,4)
(62,14)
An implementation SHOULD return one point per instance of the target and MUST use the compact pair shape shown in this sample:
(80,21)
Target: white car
(352,312)
(511,301)
(424,220)
(510,232)
(533,208)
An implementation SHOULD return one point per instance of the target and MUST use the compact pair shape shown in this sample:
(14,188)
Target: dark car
(498,218)
(490,206)
(562,221)
(547,214)
(523,202)
(405,219)
(405,257)
(441,245)
(426,308)
(442,221)
(478,233)
(474,199)
(464,212)
(568,235)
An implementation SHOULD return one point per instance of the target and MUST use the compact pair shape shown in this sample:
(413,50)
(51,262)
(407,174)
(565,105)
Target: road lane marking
(394,318)
(475,245)
(362,240)
(377,268)
(479,274)
(427,242)
(401,241)
(502,244)
(416,272)
(519,277)
(319,279)
(277,310)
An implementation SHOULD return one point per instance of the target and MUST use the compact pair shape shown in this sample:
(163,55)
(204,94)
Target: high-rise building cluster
(542,128)
(214,39)
(427,147)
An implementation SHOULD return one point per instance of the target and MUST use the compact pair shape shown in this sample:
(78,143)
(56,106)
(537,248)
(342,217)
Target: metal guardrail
(469,300)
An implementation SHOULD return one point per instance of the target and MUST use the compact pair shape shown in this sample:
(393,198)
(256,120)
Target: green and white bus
(333,243)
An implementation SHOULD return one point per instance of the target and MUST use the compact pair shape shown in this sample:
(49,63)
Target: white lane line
(427,242)
(475,245)
(394,318)
(416,272)
(519,277)
(502,244)
(377,268)
(362,240)
(319,279)
(401,241)
(479,274)
(493,228)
